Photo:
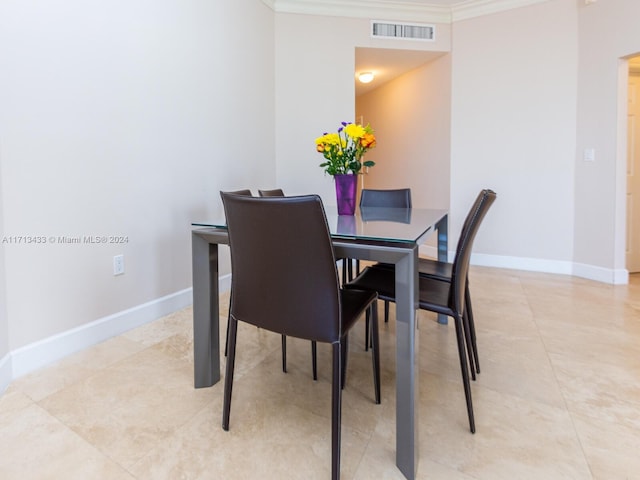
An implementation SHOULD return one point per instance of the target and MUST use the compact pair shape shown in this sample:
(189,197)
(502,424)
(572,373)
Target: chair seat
(428,268)
(354,304)
(435,269)
(434,294)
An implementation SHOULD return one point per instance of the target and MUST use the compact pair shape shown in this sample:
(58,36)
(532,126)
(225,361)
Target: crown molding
(478,8)
(397,10)
(387,10)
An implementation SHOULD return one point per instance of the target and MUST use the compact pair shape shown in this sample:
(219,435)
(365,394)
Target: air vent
(406,31)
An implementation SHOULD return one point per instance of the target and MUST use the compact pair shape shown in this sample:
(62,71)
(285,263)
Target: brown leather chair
(398,198)
(285,280)
(444,271)
(247,193)
(369,197)
(395,198)
(435,295)
(276,192)
(279,193)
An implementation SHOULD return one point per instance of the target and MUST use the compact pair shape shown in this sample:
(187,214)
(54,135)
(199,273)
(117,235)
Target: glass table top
(411,225)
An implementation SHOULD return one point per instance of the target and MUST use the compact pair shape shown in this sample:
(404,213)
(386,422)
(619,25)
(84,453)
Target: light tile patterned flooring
(558,398)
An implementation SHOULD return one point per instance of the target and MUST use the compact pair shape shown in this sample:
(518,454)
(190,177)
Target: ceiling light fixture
(365,77)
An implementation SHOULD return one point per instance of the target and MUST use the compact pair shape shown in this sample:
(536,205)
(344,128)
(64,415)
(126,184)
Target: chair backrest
(462,259)
(276,192)
(284,271)
(399,198)
(245,192)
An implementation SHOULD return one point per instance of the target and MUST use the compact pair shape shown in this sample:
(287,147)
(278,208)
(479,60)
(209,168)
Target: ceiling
(438,11)
(387,64)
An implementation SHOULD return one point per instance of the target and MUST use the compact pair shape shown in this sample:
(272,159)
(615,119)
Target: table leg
(206,338)
(443,252)
(407,386)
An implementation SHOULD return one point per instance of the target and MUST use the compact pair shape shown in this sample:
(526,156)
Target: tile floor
(558,398)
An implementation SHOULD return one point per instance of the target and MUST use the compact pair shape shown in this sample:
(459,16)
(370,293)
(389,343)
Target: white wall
(608,31)
(5,366)
(315,62)
(513,130)
(123,118)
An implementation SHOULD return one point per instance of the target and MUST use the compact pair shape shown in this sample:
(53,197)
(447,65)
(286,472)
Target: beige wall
(412,119)
(123,118)
(513,130)
(608,31)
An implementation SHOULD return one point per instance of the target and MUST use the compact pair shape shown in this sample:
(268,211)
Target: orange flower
(368,140)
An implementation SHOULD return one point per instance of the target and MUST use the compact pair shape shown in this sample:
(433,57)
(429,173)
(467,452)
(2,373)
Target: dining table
(389,235)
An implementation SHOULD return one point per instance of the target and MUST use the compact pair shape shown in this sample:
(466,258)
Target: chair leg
(336,410)
(314,359)
(375,350)
(284,353)
(367,329)
(226,342)
(467,339)
(471,326)
(465,372)
(228,379)
(345,354)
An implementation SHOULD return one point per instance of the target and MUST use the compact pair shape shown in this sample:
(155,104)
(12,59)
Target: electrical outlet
(118,265)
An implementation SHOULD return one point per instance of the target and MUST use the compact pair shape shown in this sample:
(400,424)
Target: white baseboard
(522,263)
(44,352)
(591,272)
(38,354)
(5,372)
(599,274)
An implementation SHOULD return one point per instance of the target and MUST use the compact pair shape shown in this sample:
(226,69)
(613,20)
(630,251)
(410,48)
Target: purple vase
(346,193)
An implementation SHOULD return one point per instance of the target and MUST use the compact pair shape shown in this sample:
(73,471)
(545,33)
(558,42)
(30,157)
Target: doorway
(633,168)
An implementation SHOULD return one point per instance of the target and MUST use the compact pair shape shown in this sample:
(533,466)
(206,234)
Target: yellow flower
(331,139)
(354,130)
